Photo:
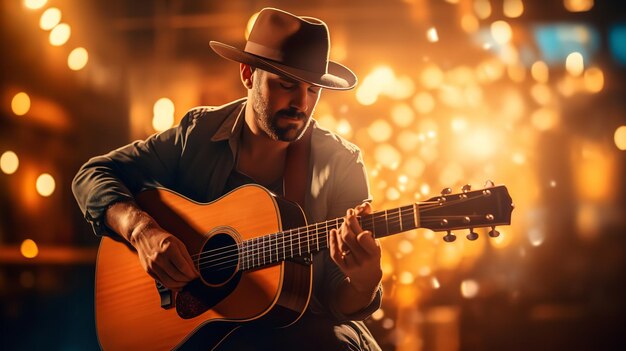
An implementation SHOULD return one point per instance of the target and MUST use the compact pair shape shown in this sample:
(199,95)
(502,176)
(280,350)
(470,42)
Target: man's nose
(300,99)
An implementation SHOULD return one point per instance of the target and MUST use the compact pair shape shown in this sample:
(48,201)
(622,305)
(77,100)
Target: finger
(182,261)
(335,251)
(349,238)
(166,279)
(353,221)
(368,243)
(364,208)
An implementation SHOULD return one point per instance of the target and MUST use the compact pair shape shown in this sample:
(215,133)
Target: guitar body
(129,312)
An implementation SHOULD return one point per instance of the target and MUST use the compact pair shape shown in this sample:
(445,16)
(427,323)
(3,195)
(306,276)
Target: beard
(269,123)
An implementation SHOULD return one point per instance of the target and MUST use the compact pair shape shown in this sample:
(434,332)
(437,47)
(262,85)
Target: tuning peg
(449,237)
(494,233)
(446,191)
(489,184)
(472,235)
(466,188)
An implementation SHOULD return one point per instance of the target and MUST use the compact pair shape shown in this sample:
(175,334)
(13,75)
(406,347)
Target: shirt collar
(231,127)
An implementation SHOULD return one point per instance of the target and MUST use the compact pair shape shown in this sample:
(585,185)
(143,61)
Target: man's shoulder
(213,111)
(329,142)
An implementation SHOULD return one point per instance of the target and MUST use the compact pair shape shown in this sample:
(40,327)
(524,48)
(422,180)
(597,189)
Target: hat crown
(300,42)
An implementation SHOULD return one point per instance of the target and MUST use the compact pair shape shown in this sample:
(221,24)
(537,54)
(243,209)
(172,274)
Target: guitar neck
(471,209)
(276,247)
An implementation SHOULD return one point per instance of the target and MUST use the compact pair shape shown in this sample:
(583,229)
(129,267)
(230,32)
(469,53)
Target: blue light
(617,43)
(556,41)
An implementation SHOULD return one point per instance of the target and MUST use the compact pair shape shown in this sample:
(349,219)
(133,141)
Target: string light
(77,59)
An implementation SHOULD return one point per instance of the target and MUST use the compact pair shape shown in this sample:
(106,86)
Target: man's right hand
(162,255)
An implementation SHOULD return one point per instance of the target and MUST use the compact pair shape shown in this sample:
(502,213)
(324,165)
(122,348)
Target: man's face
(282,106)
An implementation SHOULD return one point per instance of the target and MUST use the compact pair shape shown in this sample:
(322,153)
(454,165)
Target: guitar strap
(297,166)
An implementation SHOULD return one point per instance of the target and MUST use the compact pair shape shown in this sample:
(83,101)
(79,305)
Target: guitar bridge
(165,295)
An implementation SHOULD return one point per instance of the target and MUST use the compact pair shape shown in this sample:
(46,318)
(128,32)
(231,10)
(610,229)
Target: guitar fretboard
(291,243)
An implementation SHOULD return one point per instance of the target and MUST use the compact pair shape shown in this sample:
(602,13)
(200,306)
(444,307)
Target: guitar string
(425,206)
(272,260)
(373,217)
(273,238)
(261,252)
(298,232)
(380,214)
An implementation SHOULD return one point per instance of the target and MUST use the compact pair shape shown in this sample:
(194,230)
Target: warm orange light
(501,32)
(163,118)
(60,34)
(388,156)
(20,104)
(470,23)
(513,8)
(574,64)
(45,185)
(431,77)
(35,4)
(380,130)
(50,18)
(77,59)
(482,8)
(423,102)
(578,5)
(620,137)
(29,248)
(469,288)
(539,71)
(594,80)
(9,162)
(402,115)
(432,35)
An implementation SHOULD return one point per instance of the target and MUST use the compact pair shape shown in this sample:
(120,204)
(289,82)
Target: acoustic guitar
(253,251)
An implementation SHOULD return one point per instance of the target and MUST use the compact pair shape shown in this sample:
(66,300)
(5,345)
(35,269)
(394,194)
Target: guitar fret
(284,250)
(317,237)
(258,252)
(386,222)
(242,255)
(308,241)
(299,244)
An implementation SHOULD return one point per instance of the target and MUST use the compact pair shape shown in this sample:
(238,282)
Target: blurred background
(529,94)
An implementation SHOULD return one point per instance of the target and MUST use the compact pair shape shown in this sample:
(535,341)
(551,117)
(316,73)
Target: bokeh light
(9,162)
(163,117)
(35,4)
(50,18)
(45,185)
(620,137)
(29,248)
(60,34)
(20,104)
(77,59)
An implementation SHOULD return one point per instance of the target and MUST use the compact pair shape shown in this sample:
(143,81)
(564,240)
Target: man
(216,149)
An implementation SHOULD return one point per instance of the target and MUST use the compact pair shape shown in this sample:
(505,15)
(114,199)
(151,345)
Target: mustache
(291,113)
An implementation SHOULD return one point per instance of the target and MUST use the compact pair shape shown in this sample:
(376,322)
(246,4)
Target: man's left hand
(356,252)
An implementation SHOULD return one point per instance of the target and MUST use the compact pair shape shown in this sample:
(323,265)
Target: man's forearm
(126,219)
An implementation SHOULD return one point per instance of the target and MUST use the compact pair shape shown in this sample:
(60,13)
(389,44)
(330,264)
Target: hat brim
(339,77)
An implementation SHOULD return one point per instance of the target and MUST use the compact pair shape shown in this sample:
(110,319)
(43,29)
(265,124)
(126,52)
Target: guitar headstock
(487,207)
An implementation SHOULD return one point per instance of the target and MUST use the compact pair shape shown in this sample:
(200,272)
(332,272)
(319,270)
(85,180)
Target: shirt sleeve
(118,175)
(351,188)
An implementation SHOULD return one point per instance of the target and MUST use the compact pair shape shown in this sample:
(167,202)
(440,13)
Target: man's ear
(245,71)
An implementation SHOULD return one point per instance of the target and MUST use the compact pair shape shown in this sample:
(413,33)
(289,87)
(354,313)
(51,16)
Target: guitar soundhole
(219,259)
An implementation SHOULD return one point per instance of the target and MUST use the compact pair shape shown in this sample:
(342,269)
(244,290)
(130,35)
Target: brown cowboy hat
(293,46)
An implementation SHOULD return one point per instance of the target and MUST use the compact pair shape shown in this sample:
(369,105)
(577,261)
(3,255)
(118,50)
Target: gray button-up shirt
(196,158)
